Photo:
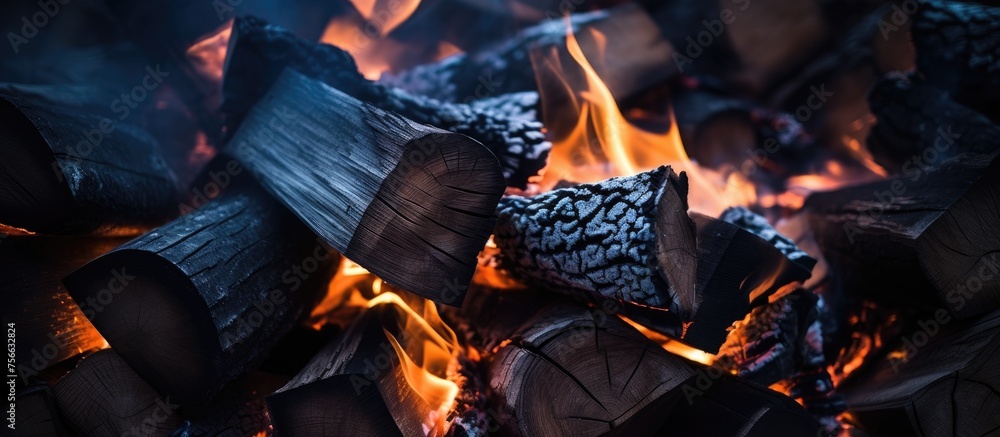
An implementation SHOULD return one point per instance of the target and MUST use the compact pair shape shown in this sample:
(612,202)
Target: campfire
(469,218)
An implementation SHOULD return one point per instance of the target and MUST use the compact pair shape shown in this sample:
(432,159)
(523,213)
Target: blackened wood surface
(919,124)
(37,413)
(258,52)
(727,406)
(196,302)
(62,173)
(946,381)
(103,396)
(628,239)
(926,238)
(569,373)
(958,50)
(635,57)
(411,203)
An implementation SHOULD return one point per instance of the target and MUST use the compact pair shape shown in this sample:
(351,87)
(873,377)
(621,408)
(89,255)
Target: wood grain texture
(37,413)
(103,396)
(919,124)
(411,203)
(258,52)
(628,239)
(567,373)
(195,303)
(958,50)
(634,59)
(924,239)
(63,174)
(948,385)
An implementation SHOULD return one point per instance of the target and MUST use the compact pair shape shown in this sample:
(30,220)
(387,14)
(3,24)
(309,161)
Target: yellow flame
(603,144)
(427,349)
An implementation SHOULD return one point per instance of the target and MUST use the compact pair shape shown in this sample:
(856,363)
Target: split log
(103,396)
(758,225)
(258,52)
(411,203)
(68,169)
(360,384)
(942,381)
(631,240)
(920,125)
(922,239)
(569,373)
(193,304)
(737,271)
(628,239)
(729,406)
(37,413)
(636,58)
(958,50)
(50,326)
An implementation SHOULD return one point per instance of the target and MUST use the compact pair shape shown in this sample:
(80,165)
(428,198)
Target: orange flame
(673,346)
(208,55)
(603,144)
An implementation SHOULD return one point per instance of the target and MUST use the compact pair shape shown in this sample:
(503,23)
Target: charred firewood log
(69,169)
(193,304)
(411,203)
(258,52)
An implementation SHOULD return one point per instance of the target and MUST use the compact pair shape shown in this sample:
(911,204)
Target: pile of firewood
(159,289)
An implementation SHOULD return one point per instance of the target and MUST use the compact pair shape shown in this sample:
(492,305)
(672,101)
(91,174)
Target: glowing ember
(673,346)
(208,55)
(603,144)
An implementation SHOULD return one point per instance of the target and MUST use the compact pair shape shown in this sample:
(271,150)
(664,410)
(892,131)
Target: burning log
(258,52)
(728,406)
(50,327)
(919,124)
(103,396)
(634,59)
(627,239)
(365,383)
(37,414)
(759,226)
(737,271)
(943,380)
(630,240)
(924,238)
(411,203)
(68,169)
(958,50)
(193,304)
(567,372)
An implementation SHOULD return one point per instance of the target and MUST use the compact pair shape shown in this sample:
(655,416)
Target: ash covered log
(943,380)
(919,125)
(728,406)
(103,396)
(50,326)
(411,203)
(193,304)
(958,50)
(258,52)
(628,239)
(635,58)
(359,383)
(567,372)
(69,169)
(922,239)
